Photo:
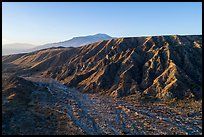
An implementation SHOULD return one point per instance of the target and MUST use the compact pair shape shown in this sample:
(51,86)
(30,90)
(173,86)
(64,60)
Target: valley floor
(95,114)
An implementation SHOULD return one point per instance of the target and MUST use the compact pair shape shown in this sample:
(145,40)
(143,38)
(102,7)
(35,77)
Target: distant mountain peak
(101,34)
(95,35)
(76,41)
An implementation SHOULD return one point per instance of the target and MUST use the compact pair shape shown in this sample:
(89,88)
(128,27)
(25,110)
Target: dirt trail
(96,114)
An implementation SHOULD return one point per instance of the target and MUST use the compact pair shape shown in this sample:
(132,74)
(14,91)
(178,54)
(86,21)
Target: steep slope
(162,67)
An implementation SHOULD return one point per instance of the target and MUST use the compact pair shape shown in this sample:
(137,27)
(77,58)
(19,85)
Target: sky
(46,22)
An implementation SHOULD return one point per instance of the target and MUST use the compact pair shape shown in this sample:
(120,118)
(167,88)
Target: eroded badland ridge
(158,68)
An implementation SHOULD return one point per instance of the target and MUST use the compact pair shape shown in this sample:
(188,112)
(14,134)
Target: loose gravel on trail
(100,115)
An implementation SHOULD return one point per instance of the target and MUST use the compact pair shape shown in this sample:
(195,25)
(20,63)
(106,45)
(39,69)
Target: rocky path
(96,114)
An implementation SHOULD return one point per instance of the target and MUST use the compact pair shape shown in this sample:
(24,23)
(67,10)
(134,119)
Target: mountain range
(16,48)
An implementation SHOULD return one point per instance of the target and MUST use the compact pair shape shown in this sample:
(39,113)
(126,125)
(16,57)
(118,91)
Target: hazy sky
(44,22)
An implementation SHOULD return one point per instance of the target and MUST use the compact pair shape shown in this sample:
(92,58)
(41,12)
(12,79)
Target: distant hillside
(17,48)
(75,42)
